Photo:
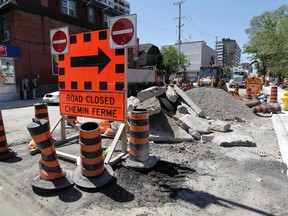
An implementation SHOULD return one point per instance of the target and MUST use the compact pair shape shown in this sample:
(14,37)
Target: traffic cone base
(139,165)
(93,182)
(40,184)
(7,155)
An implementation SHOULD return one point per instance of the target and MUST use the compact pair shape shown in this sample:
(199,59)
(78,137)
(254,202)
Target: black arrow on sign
(100,60)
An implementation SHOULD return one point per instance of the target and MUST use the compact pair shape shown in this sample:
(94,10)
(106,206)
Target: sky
(202,20)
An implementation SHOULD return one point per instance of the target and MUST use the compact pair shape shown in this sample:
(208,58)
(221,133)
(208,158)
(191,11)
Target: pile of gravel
(218,104)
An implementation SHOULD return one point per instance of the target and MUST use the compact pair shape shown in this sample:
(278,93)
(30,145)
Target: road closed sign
(92,78)
(123,31)
(93,104)
(59,41)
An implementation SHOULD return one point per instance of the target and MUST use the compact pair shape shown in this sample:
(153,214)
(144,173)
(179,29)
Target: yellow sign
(255,84)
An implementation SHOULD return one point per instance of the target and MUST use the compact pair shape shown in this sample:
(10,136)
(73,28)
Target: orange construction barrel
(139,157)
(5,152)
(51,176)
(92,173)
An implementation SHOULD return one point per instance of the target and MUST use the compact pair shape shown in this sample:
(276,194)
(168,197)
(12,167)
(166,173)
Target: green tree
(268,41)
(170,61)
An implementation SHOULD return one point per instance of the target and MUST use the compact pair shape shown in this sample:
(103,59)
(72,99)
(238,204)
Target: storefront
(8,88)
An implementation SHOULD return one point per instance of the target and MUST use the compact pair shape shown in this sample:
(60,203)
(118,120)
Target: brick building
(25,38)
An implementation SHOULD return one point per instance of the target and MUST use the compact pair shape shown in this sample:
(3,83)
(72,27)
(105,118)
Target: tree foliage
(268,41)
(227,71)
(170,60)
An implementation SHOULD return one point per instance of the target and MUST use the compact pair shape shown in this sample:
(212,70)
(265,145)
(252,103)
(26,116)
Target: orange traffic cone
(51,176)
(92,173)
(139,157)
(5,152)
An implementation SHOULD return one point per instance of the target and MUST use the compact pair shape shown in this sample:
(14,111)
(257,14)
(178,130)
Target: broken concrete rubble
(199,125)
(197,110)
(154,91)
(206,138)
(220,126)
(166,103)
(194,134)
(132,102)
(189,110)
(231,140)
(171,95)
(178,120)
(165,129)
(152,105)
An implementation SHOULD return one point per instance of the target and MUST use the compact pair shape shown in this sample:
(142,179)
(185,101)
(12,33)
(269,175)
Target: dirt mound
(218,104)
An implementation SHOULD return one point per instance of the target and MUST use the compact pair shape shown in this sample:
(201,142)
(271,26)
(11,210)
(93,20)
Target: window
(5,29)
(91,12)
(69,7)
(106,20)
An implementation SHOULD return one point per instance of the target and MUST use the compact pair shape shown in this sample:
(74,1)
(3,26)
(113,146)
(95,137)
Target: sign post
(123,34)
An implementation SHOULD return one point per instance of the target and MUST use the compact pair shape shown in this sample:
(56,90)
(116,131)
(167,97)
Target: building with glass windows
(198,53)
(228,53)
(25,49)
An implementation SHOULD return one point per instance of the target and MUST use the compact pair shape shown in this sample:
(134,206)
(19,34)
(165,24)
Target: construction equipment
(139,79)
(212,76)
(238,78)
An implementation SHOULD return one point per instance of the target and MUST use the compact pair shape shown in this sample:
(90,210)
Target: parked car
(52,97)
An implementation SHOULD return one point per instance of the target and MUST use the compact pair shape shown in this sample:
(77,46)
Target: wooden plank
(114,143)
(69,157)
(116,159)
(197,110)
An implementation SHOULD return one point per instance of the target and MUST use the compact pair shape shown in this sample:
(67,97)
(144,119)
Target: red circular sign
(122,31)
(59,41)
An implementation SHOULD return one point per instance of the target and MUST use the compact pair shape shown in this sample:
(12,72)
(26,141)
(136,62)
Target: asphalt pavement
(279,120)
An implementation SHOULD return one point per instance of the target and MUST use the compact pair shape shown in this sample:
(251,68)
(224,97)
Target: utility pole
(216,58)
(179,3)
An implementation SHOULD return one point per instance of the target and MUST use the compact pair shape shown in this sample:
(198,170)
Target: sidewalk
(18,103)
(280,124)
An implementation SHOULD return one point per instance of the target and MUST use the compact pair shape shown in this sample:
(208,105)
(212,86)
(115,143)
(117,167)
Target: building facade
(25,54)
(198,53)
(228,53)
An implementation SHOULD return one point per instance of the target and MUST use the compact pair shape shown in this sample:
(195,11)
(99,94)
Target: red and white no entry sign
(59,41)
(123,31)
